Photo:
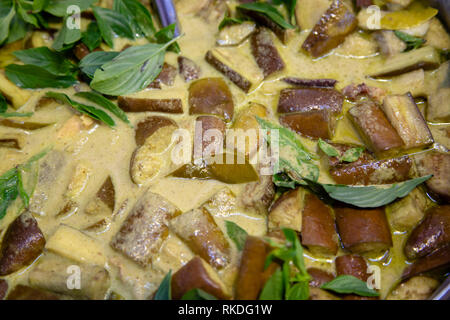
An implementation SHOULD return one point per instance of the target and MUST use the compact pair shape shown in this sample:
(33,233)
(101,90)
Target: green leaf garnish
(229,21)
(66,37)
(33,77)
(164,291)
(112,23)
(166,34)
(237,234)
(197,294)
(351,155)
(95,60)
(411,41)
(350,285)
(132,70)
(274,287)
(53,62)
(139,18)
(91,111)
(328,149)
(105,103)
(59,7)
(268,10)
(92,37)
(290,7)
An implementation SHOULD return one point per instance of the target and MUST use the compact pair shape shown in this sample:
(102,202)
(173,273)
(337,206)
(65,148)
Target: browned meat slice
(188,69)
(249,281)
(129,104)
(145,229)
(336,23)
(219,64)
(265,52)
(436,261)
(166,76)
(431,234)
(197,274)
(201,233)
(310,99)
(363,230)
(258,195)
(313,124)
(437,164)
(375,129)
(21,292)
(373,172)
(23,242)
(353,92)
(318,230)
(352,265)
(211,96)
(319,277)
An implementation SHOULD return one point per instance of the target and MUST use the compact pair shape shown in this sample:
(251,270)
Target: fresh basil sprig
(164,291)
(350,285)
(112,23)
(58,8)
(237,234)
(282,285)
(166,34)
(92,37)
(53,62)
(91,111)
(14,183)
(290,7)
(95,60)
(411,41)
(105,103)
(132,70)
(66,37)
(268,10)
(139,18)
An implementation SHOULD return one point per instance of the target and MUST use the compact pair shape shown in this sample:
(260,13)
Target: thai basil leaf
(91,111)
(228,21)
(197,294)
(9,192)
(95,60)
(274,287)
(352,154)
(270,11)
(131,71)
(328,149)
(164,291)
(18,29)
(411,41)
(369,196)
(282,180)
(299,291)
(43,57)
(59,7)
(23,9)
(7,13)
(350,285)
(39,5)
(105,103)
(166,34)
(66,37)
(138,17)
(33,77)
(290,7)
(112,23)
(237,234)
(92,37)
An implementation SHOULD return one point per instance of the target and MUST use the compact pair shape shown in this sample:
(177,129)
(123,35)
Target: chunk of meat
(211,96)
(266,54)
(334,25)
(374,128)
(310,99)
(437,164)
(22,243)
(257,196)
(389,43)
(318,229)
(200,232)
(373,172)
(354,92)
(431,234)
(197,274)
(145,229)
(129,104)
(188,69)
(363,230)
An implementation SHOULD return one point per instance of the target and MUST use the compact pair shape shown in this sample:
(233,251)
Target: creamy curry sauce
(105,151)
